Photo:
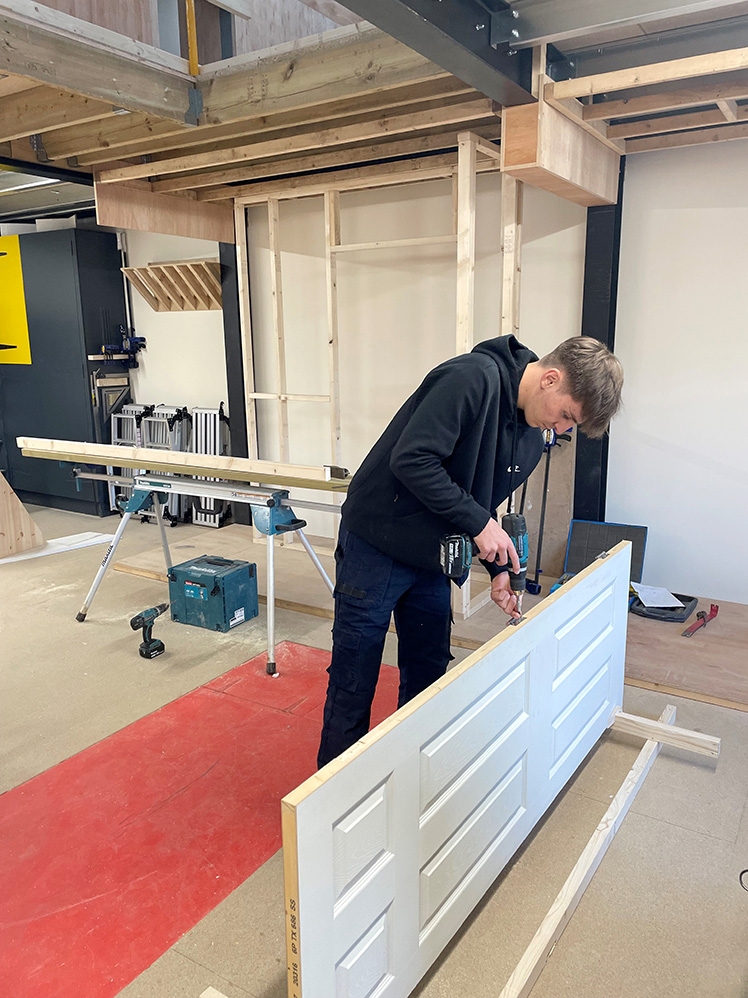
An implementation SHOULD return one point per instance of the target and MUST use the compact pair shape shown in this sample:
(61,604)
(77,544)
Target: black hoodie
(444,463)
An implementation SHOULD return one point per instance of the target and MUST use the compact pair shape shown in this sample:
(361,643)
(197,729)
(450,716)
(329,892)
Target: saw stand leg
(270,518)
(138,502)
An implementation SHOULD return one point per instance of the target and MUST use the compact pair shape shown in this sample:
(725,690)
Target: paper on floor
(59,544)
(654,596)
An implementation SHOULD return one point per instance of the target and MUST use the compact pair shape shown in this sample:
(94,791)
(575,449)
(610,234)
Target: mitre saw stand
(271,514)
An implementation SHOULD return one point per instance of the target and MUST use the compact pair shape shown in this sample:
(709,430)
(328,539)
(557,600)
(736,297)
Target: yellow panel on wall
(14,329)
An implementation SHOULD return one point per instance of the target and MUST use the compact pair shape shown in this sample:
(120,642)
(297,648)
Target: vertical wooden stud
(511,244)
(466,161)
(332,238)
(245,321)
(280,340)
(455,204)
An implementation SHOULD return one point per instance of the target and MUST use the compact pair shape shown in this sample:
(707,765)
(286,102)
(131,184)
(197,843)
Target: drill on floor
(150,647)
(456,554)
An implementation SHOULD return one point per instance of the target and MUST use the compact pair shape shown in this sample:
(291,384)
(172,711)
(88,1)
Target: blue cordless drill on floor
(150,647)
(456,554)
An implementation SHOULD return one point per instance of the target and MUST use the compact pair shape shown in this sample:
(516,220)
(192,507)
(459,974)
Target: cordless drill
(456,554)
(516,527)
(149,647)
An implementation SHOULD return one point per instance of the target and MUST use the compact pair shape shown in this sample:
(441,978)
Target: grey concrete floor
(663,916)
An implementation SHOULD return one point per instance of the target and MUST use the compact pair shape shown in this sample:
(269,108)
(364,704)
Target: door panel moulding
(389,848)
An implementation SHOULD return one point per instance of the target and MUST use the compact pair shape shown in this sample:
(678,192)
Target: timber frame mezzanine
(351,97)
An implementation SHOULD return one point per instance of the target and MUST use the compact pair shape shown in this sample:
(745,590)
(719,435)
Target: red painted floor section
(111,856)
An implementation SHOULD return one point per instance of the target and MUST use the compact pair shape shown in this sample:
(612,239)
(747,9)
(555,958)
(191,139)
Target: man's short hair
(593,378)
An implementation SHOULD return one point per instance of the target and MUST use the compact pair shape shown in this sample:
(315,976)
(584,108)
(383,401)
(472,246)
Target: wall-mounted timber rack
(181,286)
(325,478)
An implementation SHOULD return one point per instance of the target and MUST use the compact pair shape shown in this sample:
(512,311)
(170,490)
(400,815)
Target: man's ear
(550,377)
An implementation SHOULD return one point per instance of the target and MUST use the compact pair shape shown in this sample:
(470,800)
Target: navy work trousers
(369,588)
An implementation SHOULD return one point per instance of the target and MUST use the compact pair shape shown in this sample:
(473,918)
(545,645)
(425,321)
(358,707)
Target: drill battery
(456,555)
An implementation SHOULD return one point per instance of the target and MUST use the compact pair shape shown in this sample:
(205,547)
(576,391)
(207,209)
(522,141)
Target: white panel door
(389,848)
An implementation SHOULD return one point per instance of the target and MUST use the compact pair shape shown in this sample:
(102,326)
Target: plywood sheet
(389,848)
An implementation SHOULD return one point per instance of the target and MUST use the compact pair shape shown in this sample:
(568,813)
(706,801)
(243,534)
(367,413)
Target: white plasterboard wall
(184,362)
(396,306)
(677,454)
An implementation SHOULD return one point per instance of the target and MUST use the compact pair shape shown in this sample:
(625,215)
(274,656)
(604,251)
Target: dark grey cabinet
(74,303)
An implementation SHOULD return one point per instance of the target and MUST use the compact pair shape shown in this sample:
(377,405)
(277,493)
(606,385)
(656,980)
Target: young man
(468,436)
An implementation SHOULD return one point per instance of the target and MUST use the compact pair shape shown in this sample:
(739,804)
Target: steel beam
(527,23)
(645,50)
(455,34)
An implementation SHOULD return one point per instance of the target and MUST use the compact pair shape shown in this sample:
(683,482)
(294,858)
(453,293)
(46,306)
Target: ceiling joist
(41,108)
(678,128)
(314,163)
(364,131)
(208,136)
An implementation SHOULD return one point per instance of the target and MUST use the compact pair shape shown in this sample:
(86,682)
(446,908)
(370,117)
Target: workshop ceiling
(647,74)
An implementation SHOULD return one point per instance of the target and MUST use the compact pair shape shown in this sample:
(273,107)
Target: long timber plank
(234,468)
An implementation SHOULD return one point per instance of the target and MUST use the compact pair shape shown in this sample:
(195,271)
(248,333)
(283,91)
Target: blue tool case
(213,592)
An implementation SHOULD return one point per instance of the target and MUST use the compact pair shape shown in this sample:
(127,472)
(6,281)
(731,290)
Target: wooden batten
(124,207)
(545,149)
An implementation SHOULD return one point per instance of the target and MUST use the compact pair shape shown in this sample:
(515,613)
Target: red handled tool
(702,621)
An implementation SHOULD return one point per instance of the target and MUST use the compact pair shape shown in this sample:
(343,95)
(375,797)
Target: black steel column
(232,338)
(599,321)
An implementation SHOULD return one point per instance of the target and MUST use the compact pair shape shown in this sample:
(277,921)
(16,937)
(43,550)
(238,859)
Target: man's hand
(495,544)
(502,595)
